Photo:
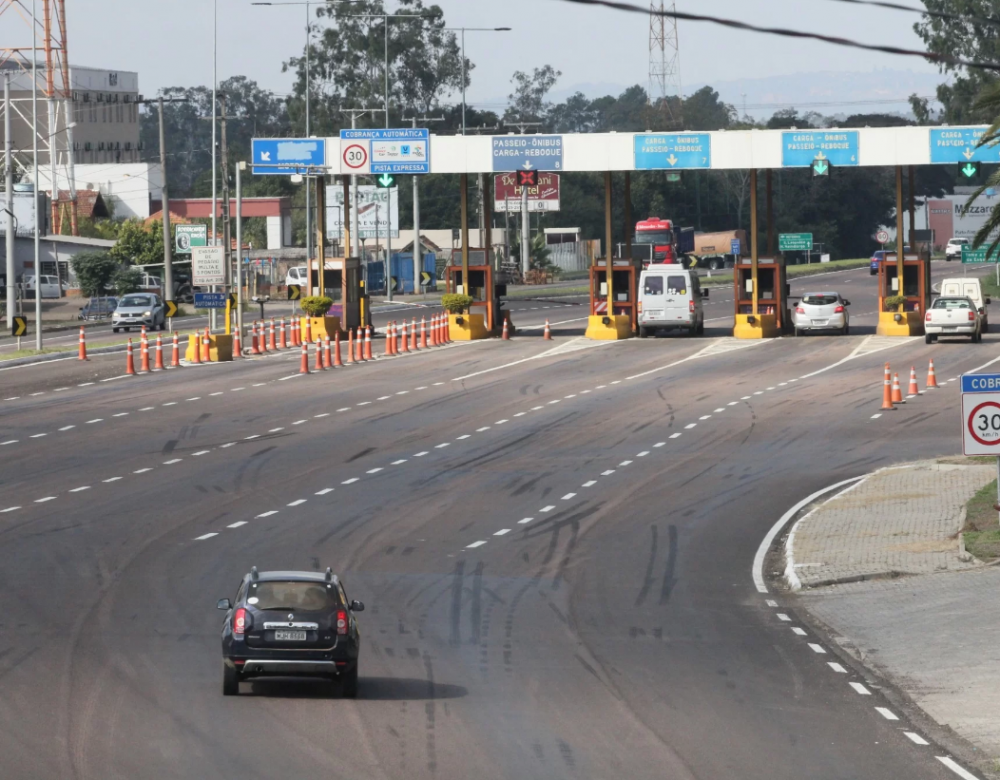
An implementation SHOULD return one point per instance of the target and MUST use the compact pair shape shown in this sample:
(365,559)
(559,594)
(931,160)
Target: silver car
(822,311)
(138,309)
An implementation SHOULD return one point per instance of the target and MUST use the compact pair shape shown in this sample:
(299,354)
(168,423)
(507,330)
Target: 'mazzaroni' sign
(507,193)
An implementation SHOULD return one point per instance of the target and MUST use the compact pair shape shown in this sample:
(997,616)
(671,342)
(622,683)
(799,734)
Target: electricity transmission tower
(664,61)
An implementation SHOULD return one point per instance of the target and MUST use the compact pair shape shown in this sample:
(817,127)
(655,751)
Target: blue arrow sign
(734,247)
(299,154)
(800,147)
(395,150)
(958,145)
(981,383)
(672,151)
(210,300)
(527,152)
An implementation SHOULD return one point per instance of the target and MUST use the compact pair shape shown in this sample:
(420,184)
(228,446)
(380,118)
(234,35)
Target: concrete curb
(53,356)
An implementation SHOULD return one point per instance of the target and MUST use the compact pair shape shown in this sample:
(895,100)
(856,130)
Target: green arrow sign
(795,242)
(969,170)
(821,168)
(385,180)
(970,255)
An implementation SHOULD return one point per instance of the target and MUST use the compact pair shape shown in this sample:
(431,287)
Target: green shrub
(127,280)
(316,305)
(894,301)
(456,304)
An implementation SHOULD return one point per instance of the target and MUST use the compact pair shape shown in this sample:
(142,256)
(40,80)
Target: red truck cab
(659,233)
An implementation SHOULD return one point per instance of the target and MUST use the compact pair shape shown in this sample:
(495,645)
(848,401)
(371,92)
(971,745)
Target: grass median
(982,529)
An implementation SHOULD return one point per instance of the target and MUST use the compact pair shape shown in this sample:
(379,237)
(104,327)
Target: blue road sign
(527,152)
(672,151)
(800,147)
(734,247)
(394,150)
(210,300)
(981,383)
(958,145)
(298,153)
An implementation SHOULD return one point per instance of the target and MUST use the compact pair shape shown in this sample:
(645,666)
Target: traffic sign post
(187,236)
(801,149)
(171,307)
(404,150)
(795,242)
(672,151)
(960,145)
(734,247)
(981,417)
(882,237)
(211,300)
(287,156)
(524,152)
(208,266)
(19,328)
(972,256)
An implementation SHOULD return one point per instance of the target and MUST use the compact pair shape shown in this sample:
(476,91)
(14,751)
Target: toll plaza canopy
(719,150)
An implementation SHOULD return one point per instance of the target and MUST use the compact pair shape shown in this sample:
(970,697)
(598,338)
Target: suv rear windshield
(819,300)
(297,596)
(951,303)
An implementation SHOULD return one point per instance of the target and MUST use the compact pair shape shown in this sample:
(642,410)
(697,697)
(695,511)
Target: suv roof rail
(253,572)
(329,574)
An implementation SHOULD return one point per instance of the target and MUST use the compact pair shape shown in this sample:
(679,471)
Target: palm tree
(988,102)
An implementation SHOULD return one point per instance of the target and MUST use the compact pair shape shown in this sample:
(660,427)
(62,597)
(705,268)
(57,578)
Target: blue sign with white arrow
(981,383)
(800,147)
(672,151)
(288,155)
(735,248)
(527,152)
(958,145)
(210,300)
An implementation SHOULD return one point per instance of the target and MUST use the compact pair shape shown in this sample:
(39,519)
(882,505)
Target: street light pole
(34,165)
(215,111)
(309,236)
(463,30)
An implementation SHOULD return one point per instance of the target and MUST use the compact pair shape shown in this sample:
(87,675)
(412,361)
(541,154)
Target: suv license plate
(289,636)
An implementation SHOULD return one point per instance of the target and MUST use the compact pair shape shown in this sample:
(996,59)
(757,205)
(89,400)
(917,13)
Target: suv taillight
(927,318)
(972,316)
(341,622)
(839,310)
(241,621)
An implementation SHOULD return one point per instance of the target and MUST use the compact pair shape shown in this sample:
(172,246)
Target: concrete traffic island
(883,566)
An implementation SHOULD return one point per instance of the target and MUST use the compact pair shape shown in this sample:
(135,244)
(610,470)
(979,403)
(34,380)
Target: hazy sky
(170,43)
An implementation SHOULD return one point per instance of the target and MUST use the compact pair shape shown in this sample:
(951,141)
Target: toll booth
(916,289)
(343,284)
(485,294)
(625,288)
(772,296)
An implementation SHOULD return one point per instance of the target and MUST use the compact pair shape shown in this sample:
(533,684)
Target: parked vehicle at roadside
(50,286)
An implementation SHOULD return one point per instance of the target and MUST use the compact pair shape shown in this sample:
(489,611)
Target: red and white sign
(507,193)
(355,158)
(981,423)
(882,237)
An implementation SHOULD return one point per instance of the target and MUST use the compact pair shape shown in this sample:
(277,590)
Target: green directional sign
(795,242)
(971,256)
(385,181)
(968,170)
(821,167)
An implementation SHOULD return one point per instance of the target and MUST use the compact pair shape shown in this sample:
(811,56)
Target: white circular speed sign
(355,156)
(882,237)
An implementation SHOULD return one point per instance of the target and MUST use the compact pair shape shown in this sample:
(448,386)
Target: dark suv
(290,624)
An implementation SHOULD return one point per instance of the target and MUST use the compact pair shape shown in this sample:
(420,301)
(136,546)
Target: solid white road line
(958,770)
(861,689)
(886,713)
(916,739)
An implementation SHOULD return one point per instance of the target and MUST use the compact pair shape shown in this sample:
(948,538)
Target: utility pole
(226,226)
(240,167)
(9,185)
(355,237)
(417,249)
(525,235)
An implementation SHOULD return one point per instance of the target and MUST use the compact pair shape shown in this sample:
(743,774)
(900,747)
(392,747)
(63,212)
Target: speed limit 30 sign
(356,158)
(981,414)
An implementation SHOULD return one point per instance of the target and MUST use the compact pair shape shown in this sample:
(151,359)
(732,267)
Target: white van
(670,299)
(296,275)
(967,287)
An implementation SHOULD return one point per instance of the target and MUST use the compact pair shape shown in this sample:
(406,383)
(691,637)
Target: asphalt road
(554,542)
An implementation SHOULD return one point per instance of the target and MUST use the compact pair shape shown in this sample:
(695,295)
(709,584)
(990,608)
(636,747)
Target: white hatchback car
(822,311)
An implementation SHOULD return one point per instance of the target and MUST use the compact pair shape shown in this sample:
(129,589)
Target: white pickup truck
(953,316)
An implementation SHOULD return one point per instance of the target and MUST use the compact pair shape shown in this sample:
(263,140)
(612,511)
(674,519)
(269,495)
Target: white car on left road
(822,311)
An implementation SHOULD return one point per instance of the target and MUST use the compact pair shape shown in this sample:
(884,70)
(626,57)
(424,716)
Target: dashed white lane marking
(573,395)
(783,617)
(617,382)
(886,713)
(85,384)
(689,426)
(214,394)
(38,436)
(170,403)
(536,408)
(836,667)
(519,522)
(43,500)
(420,454)
(502,532)
(345,409)
(5,443)
(383,398)
(113,479)
(267,514)
(237,389)
(817,648)
(954,767)
(916,739)
(120,414)
(746,398)
(260,384)
(200,452)
(237,524)
(442,445)
(520,414)
(720,409)
(589,483)
(141,471)
(147,409)
(9,509)
(297,502)
(375,470)
(501,422)
(203,537)
(607,473)
(625,463)
(568,496)
(600,387)
(463,436)
(548,508)
(275,430)
(770,388)
(422,388)
(660,444)
(172,462)
(318,416)
(584,392)
(554,402)
(484,428)
(251,438)
(228,444)
(364,403)
(402,392)
(799,631)
(70,427)
(759,392)
(43,392)
(861,689)
(300,422)
(771,603)
(705,417)
(324,491)
(474,545)
(675,435)
(438,384)
(732,403)
(350,481)
(876,416)
(196,398)
(399,462)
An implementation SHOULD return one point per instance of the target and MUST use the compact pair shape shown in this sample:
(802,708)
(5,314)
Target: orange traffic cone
(237,343)
(159,354)
(359,347)
(388,340)
(350,345)
(547,335)
(327,359)
(144,355)
(273,345)
(206,348)
(83,344)
(304,365)
(413,335)
(368,343)
(319,355)
(254,344)
(423,332)
(129,359)
(887,389)
(294,333)
(175,361)
(337,361)
(506,334)
(897,392)
(194,347)
(405,341)
(263,337)
(283,341)
(931,377)
(308,334)
(913,389)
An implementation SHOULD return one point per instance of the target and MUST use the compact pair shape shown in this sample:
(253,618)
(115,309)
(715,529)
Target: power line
(963,18)
(786,33)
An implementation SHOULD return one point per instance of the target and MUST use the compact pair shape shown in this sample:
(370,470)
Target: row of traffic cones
(892,393)
(144,350)
(400,340)
(358,350)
